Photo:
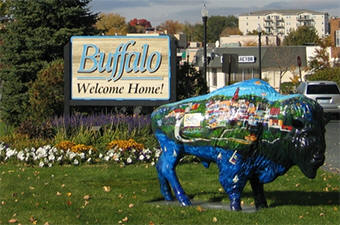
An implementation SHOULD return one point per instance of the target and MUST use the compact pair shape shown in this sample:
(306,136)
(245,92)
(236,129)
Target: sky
(189,11)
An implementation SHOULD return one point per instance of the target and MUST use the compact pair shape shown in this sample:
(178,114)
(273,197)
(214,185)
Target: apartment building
(335,36)
(281,22)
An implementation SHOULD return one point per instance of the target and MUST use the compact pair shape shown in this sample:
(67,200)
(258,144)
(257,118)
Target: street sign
(246,59)
(298,59)
(230,63)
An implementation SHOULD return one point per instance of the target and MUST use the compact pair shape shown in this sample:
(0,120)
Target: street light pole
(204,13)
(259,30)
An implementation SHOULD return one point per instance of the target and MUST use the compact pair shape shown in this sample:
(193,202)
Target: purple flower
(114,120)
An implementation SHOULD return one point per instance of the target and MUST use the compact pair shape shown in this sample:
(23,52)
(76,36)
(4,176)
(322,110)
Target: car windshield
(322,89)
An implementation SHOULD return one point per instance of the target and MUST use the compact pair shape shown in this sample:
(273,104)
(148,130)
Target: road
(332,162)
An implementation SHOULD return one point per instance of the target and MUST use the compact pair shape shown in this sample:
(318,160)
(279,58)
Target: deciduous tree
(172,27)
(230,31)
(138,25)
(216,24)
(321,59)
(112,24)
(302,36)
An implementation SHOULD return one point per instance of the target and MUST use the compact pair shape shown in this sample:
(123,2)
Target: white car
(326,93)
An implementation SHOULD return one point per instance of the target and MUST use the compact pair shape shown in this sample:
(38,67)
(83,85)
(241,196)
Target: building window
(337,38)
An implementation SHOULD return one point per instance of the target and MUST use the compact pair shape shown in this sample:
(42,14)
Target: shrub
(287,88)
(20,141)
(36,129)
(46,94)
(331,74)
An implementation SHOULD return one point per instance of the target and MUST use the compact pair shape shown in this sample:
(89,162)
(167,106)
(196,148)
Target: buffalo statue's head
(308,145)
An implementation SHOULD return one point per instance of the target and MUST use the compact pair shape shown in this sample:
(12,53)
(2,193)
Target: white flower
(49,164)
(60,158)
(41,153)
(106,158)
(71,155)
(141,157)
(33,155)
(100,155)
(51,157)
(41,164)
(146,151)
(116,157)
(158,153)
(89,160)
(21,156)
(10,153)
(54,150)
(76,162)
(27,157)
(82,155)
(90,152)
(129,160)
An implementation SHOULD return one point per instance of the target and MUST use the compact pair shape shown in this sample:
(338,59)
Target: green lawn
(109,194)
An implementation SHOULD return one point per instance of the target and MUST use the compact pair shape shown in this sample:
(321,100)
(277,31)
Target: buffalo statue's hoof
(184,201)
(262,205)
(235,206)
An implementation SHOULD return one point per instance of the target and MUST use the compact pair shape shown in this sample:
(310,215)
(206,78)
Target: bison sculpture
(250,130)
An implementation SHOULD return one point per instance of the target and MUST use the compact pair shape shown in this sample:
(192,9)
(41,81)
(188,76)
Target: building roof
(271,57)
(282,12)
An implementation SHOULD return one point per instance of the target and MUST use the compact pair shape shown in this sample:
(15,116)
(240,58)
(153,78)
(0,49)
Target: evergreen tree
(190,82)
(36,35)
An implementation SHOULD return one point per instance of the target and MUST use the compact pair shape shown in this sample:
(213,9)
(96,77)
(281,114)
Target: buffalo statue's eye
(297,124)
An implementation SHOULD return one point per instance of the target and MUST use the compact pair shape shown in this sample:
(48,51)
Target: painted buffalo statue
(250,130)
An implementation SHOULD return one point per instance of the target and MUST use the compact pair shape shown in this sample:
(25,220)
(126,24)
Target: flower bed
(48,156)
(124,139)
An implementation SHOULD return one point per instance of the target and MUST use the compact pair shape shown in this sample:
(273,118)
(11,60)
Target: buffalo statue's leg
(257,187)
(171,154)
(232,177)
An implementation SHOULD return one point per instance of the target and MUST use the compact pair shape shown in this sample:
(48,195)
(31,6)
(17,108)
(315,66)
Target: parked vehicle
(326,93)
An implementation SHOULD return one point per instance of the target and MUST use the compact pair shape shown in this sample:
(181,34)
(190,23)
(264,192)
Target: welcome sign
(120,68)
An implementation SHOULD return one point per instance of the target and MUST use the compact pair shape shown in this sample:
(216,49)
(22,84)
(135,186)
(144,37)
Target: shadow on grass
(279,198)
(302,198)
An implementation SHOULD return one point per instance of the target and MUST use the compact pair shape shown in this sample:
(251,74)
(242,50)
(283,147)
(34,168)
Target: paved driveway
(332,162)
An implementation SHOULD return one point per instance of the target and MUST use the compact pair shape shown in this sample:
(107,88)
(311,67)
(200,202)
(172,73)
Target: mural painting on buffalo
(250,130)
